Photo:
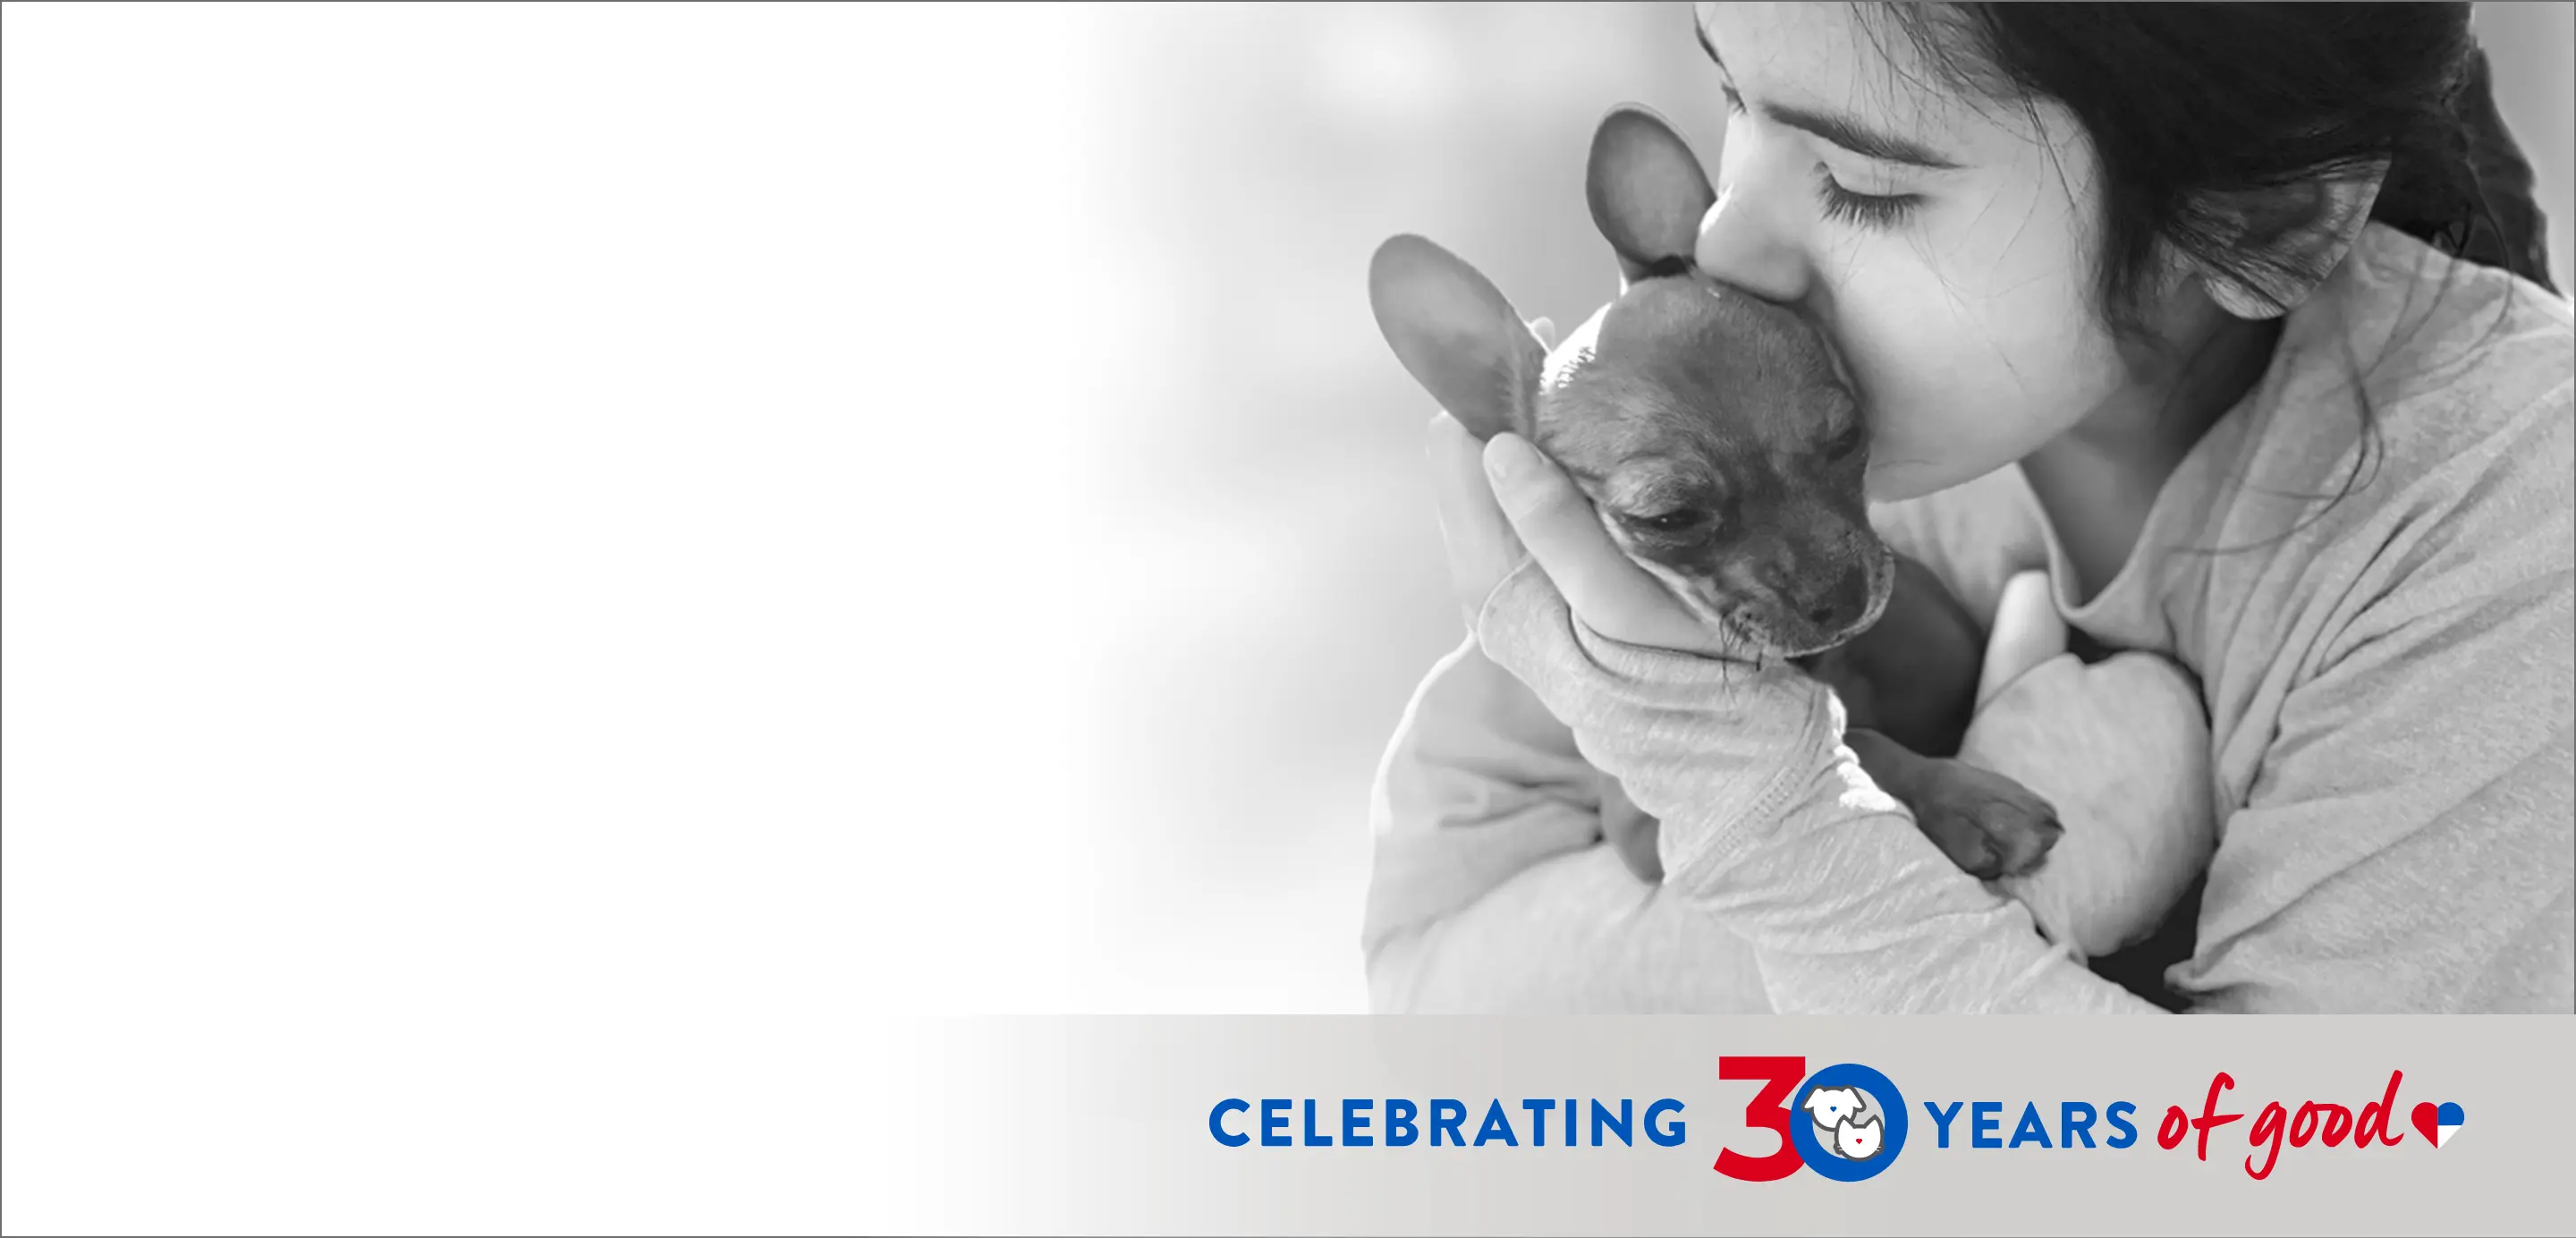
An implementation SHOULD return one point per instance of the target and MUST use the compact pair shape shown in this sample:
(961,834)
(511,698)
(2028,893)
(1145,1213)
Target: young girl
(2233,320)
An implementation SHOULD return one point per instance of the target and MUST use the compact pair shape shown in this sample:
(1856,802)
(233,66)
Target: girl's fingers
(1482,547)
(1556,522)
(2027,632)
(1503,502)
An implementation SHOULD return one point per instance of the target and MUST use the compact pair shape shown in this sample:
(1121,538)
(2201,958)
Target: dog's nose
(1843,603)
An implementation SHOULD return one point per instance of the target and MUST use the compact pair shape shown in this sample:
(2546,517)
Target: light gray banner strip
(1090,1125)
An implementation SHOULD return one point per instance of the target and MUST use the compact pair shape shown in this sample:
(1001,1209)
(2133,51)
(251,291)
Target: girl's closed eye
(1863,209)
(1841,204)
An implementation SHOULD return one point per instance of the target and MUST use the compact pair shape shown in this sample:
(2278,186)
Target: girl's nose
(1738,245)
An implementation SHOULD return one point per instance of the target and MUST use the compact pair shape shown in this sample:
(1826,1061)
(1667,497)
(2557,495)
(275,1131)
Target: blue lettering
(1314,1140)
(1400,1130)
(1274,1117)
(2118,1116)
(1447,1115)
(1216,1123)
(1943,1117)
(1985,1118)
(2074,1121)
(1539,1109)
(1622,1126)
(1354,1121)
(1497,1126)
(2030,1127)
(1664,1138)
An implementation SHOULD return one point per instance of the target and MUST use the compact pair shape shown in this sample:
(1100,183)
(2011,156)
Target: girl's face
(1945,244)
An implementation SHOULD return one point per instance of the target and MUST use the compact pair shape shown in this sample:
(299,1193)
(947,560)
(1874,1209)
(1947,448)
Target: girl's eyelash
(1865,210)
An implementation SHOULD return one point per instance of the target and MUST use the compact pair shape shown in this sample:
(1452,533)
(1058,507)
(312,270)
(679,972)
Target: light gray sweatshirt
(2389,680)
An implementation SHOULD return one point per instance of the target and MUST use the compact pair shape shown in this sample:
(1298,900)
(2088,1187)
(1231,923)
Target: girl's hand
(2121,748)
(1502,503)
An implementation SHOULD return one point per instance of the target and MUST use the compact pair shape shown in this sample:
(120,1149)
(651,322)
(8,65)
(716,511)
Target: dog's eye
(1853,438)
(1678,520)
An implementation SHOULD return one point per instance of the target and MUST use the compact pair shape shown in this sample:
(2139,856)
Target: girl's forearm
(1770,826)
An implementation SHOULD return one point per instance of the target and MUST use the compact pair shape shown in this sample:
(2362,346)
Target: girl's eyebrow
(1842,131)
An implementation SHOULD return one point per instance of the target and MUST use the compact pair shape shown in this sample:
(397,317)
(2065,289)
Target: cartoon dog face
(1831,1107)
(1857,1142)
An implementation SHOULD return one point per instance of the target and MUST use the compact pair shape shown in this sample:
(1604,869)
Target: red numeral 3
(1780,1077)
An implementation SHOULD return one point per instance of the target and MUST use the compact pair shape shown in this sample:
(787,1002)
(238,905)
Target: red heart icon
(2428,1117)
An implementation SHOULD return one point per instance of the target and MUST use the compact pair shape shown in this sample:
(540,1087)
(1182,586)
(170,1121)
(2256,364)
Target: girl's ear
(2286,240)
(1457,335)
(1647,192)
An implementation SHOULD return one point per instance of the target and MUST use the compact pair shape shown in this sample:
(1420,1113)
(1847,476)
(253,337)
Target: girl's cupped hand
(1504,502)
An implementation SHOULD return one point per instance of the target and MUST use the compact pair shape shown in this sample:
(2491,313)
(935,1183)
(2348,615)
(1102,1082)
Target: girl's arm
(1491,889)
(1770,826)
(2407,835)
(2410,844)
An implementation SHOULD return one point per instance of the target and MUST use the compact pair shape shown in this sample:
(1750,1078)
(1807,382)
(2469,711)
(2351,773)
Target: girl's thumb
(2027,632)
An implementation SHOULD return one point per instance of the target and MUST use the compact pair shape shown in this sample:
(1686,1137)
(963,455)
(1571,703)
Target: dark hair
(2194,108)
(2191,105)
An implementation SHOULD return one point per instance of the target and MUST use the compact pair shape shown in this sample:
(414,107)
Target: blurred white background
(589,533)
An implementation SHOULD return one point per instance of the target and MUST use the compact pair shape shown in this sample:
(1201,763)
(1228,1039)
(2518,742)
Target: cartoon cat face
(1858,1142)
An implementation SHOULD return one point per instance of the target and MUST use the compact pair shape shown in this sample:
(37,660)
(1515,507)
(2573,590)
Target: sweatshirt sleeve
(1491,890)
(1770,826)
(2408,838)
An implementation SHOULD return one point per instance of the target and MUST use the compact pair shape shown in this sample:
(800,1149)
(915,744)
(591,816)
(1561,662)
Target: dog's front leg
(1989,825)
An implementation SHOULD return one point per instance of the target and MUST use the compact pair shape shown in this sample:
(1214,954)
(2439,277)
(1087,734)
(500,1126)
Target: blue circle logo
(1848,1122)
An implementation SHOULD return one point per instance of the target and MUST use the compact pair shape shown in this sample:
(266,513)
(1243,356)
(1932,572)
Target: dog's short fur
(1719,440)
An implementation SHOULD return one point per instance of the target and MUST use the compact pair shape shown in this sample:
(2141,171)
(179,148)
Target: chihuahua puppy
(1718,439)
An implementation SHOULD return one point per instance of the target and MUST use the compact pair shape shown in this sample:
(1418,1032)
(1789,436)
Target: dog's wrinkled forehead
(1733,375)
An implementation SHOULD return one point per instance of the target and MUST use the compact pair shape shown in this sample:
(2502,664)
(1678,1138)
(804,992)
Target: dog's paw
(1989,825)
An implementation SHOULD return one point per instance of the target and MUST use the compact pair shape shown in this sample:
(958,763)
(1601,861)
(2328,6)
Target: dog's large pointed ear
(1457,335)
(1647,192)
